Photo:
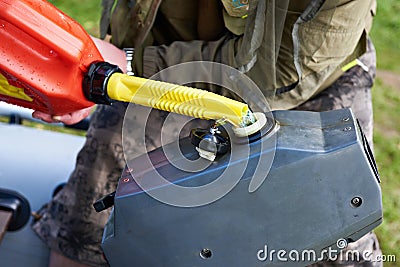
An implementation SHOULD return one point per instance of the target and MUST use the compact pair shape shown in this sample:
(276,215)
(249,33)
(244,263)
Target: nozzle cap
(95,82)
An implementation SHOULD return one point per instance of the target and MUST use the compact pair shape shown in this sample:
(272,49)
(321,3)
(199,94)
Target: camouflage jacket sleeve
(290,49)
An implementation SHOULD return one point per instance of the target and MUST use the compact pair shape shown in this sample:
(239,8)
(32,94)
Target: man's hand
(69,118)
(111,53)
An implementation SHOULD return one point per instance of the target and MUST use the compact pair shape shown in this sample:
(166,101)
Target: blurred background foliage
(386,99)
(386,96)
(86,12)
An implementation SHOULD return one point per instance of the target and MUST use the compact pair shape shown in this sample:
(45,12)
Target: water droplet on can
(52,53)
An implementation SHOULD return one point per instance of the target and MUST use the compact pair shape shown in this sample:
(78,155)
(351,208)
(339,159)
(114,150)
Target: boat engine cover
(321,191)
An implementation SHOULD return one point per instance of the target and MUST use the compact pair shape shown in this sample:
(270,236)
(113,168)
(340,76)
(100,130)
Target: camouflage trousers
(70,225)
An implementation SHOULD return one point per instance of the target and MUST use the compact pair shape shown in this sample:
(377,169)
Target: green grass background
(386,100)
(386,36)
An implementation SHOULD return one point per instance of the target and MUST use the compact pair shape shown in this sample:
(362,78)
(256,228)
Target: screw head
(205,253)
(356,202)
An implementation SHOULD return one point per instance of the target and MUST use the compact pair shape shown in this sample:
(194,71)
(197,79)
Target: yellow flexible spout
(176,98)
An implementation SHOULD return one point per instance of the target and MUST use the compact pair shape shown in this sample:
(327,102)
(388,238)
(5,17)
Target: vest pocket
(333,34)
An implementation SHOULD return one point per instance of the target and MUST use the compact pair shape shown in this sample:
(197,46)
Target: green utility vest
(292,49)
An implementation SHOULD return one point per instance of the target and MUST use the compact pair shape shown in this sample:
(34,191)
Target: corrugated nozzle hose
(104,83)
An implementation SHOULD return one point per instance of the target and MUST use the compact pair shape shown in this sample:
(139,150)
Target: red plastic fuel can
(44,56)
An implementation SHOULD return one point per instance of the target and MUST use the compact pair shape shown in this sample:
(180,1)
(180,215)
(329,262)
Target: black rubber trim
(19,206)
